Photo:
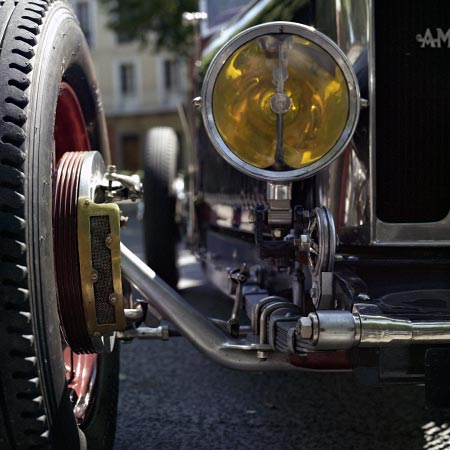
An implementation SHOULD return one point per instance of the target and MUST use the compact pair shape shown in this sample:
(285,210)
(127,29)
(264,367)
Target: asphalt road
(172,397)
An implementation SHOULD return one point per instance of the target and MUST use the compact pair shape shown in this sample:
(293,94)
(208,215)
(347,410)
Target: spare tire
(160,227)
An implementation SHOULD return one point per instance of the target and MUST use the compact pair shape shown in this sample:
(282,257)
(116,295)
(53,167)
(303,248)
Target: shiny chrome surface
(347,187)
(279,197)
(393,234)
(336,329)
(161,332)
(134,314)
(225,53)
(92,172)
(377,329)
(344,189)
(344,186)
(367,326)
(407,234)
(251,16)
(417,234)
(207,337)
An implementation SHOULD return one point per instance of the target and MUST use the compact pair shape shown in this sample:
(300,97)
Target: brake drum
(87,255)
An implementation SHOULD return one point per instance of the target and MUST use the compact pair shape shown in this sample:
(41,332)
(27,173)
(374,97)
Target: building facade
(140,88)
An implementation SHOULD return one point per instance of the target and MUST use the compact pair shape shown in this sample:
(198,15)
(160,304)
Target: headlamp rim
(302,31)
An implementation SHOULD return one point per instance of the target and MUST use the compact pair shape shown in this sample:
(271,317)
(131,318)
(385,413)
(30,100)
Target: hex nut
(305,328)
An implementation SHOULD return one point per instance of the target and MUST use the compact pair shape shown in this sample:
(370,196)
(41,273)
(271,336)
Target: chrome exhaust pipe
(203,333)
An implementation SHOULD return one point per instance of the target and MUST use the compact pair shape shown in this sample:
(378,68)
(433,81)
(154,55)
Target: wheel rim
(71,135)
(70,127)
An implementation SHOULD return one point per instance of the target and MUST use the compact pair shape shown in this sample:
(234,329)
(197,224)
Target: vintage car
(318,200)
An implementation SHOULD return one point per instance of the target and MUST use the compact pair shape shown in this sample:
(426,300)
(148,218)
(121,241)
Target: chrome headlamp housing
(280,101)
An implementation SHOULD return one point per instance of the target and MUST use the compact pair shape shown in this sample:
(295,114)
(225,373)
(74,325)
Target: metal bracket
(119,187)
(279,197)
(237,279)
(100,271)
(161,332)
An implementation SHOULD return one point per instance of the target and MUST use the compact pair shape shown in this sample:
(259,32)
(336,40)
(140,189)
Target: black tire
(41,46)
(160,229)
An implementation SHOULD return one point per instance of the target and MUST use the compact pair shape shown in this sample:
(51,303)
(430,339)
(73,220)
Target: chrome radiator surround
(348,187)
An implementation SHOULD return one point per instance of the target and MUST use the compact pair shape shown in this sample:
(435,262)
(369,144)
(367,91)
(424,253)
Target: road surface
(173,398)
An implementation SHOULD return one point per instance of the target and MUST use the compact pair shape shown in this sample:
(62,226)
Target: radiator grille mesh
(413,111)
(101,263)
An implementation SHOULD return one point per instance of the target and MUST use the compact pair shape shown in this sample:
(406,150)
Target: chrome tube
(335,329)
(381,331)
(431,332)
(203,334)
(368,327)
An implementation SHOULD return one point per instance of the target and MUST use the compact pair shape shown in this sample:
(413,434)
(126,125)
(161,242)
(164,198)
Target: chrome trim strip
(252,14)
(432,234)
(372,124)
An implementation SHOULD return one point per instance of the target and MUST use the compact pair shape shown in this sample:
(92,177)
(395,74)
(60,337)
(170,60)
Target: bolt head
(87,202)
(277,233)
(197,102)
(108,240)
(305,328)
(262,356)
(113,299)
(305,242)
(94,276)
(123,221)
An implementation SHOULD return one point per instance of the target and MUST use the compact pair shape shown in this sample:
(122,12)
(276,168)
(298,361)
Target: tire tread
(160,166)
(22,414)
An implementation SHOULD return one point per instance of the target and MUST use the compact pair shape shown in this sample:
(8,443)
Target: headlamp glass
(280,102)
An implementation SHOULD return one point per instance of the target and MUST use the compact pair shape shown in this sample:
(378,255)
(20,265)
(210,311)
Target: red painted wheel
(71,143)
(50,113)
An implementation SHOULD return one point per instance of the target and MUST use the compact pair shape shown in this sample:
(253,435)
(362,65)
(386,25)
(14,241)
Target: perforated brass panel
(99,254)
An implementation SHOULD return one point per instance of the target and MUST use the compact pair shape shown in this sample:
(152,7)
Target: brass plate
(86,210)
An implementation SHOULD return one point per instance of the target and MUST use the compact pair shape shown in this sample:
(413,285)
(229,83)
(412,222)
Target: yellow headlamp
(280,101)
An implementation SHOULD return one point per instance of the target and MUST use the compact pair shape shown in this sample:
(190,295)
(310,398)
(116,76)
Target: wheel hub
(88,314)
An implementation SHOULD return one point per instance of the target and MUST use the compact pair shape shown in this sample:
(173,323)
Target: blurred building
(140,88)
